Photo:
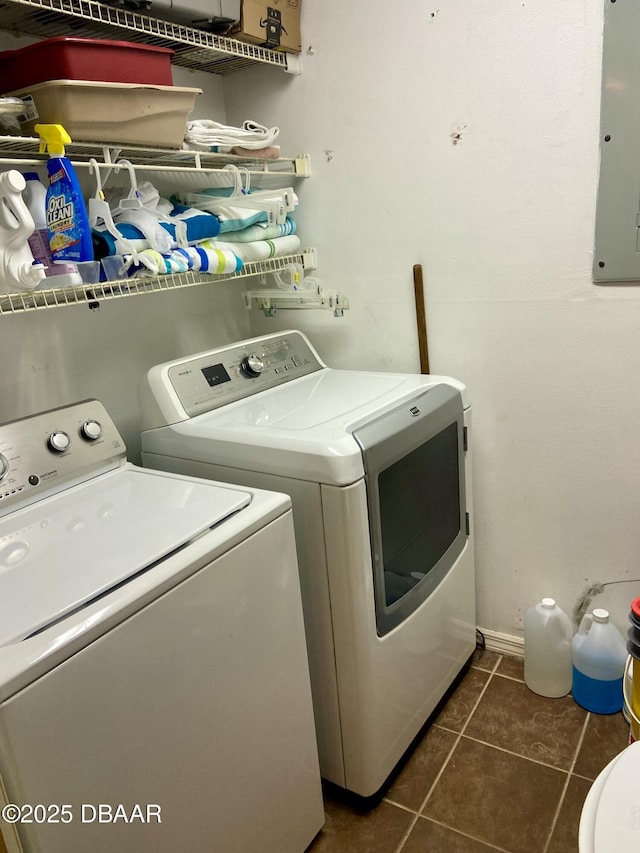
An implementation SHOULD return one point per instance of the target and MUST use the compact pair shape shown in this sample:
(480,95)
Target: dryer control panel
(196,384)
(51,449)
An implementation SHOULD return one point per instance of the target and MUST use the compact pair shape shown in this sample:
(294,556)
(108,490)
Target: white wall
(502,218)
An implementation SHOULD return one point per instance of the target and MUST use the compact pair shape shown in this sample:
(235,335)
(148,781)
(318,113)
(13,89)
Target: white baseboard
(504,644)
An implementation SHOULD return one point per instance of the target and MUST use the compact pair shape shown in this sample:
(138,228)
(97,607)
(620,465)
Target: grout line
(492,669)
(518,754)
(404,838)
(566,784)
(465,834)
(510,677)
(445,729)
(406,835)
(399,805)
(584,778)
(482,669)
(580,742)
(478,700)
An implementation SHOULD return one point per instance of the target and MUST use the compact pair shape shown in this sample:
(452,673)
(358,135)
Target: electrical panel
(617,238)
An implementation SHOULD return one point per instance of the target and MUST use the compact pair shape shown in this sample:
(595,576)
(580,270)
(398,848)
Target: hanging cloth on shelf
(143,220)
(144,209)
(101,218)
(239,207)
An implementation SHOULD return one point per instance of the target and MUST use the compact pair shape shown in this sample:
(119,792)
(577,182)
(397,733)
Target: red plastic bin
(98,60)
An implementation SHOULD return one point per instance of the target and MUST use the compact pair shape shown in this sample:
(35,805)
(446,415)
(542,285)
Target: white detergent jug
(547,649)
(18,271)
(599,657)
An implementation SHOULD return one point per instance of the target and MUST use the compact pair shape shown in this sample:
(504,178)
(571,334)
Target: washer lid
(617,825)
(67,549)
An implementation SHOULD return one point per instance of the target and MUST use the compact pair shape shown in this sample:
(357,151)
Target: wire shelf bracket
(271,300)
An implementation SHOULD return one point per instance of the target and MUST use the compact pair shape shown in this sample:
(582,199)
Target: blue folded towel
(260,232)
(200,225)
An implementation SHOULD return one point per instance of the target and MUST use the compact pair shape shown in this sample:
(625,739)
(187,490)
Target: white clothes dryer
(154,687)
(378,469)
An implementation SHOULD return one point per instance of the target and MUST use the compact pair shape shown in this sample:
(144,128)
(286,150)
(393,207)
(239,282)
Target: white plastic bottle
(599,658)
(547,649)
(18,268)
(35,195)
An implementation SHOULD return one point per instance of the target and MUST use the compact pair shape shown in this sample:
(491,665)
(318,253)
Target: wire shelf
(92,295)
(194,48)
(24,150)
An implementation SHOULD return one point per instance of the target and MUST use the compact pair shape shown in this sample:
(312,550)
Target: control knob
(59,442)
(252,365)
(4,466)
(91,430)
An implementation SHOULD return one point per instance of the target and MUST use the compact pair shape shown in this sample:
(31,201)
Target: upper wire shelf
(92,295)
(193,48)
(25,149)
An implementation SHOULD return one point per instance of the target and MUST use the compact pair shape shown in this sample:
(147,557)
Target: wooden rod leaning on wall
(421,317)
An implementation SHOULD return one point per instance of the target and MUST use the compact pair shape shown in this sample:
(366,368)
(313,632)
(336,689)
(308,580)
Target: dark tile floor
(500,768)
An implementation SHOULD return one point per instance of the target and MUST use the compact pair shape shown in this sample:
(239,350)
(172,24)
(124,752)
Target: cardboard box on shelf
(270,23)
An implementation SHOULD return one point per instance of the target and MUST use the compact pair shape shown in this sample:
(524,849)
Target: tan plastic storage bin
(123,113)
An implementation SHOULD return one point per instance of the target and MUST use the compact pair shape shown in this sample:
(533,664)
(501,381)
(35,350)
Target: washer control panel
(210,380)
(52,448)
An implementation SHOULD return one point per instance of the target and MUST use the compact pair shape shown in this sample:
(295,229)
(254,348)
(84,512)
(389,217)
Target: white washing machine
(154,687)
(378,469)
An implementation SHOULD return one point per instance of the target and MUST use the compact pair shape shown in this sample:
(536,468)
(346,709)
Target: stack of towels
(164,236)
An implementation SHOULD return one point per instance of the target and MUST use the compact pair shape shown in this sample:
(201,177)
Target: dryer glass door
(414,463)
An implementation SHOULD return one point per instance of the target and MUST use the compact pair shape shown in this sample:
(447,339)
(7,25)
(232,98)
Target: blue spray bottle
(67,220)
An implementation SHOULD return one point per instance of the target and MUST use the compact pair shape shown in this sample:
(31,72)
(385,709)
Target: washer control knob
(4,466)
(91,430)
(252,365)
(59,442)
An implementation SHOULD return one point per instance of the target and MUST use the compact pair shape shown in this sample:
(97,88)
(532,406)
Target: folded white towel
(259,250)
(209,134)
